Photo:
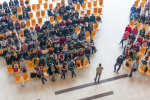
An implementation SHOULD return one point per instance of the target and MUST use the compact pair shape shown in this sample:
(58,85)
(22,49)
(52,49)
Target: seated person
(37,28)
(134,67)
(125,36)
(132,38)
(65,48)
(76,14)
(135,30)
(10,25)
(42,62)
(44,51)
(25,47)
(80,21)
(50,12)
(136,47)
(81,55)
(128,29)
(23,66)
(25,15)
(81,36)
(75,22)
(140,40)
(71,15)
(147,20)
(84,28)
(78,44)
(62,24)
(142,19)
(38,53)
(49,59)
(88,53)
(68,23)
(147,35)
(92,18)
(22,39)
(65,17)
(86,19)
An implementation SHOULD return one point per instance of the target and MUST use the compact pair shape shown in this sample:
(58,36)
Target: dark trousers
(63,75)
(118,67)
(122,40)
(99,75)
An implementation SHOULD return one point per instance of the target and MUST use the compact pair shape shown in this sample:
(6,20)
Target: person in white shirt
(3,43)
(22,39)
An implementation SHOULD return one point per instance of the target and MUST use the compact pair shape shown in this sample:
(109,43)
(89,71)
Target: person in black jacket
(25,15)
(88,53)
(11,4)
(65,32)
(10,25)
(92,18)
(42,43)
(78,45)
(7,11)
(8,59)
(118,62)
(68,57)
(26,32)
(84,28)
(5,5)
(75,22)
(16,2)
(86,18)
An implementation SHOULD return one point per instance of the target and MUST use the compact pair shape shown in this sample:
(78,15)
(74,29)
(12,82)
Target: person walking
(98,72)
(118,62)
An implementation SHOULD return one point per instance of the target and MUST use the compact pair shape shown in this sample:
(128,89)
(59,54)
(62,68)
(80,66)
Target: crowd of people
(137,39)
(47,45)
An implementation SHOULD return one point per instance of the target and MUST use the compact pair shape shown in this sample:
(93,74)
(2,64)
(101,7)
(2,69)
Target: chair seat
(147,73)
(27,79)
(86,66)
(126,67)
(79,67)
(11,71)
(33,78)
(99,21)
(141,71)
(45,74)
(97,29)
(19,81)
(94,36)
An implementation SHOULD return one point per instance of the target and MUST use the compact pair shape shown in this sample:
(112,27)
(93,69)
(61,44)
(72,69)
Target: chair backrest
(83,5)
(129,62)
(38,6)
(71,45)
(144,26)
(57,66)
(31,15)
(148,50)
(99,11)
(45,6)
(14,18)
(43,13)
(50,49)
(4,49)
(136,3)
(28,24)
(17,77)
(94,3)
(9,67)
(52,19)
(77,29)
(45,69)
(58,5)
(138,55)
(132,23)
(93,33)
(142,5)
(33,22)
(38,14)
(138,25)
(85,62)
(29,62)
(95,10)
(25,76)
(144,1)
(33,7)
(78,7)
(29,6)
(138,0)
(88,12)
(78,62)
(148,69)
(89,5)
(20,32)
(73,6)
(2,35)
(142,49)
(101,2)
(87,34)
(40,1)
(95,25)
(19,10)
(50,6)
(58,17)
(142,67)
(39,20)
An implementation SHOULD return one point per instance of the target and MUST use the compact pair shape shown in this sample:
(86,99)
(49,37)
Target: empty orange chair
(38,6)
(95,11)
(142,5)
(138,25)
(31,16)
(127,67)
(95,3)
(78,64)
(33,22)
(73,6)
(142,68)
(20,32)
(46,1)
(85,63)
(90,5)
(101,3)
(40,21)
(136,3)
(142,50)
(96,27)
(34,7)
(10,69)
(93,34)
(87,35)
(144,26)
(30,75)
(50,6)
(84,6)
(28,24)
(132,23)
(100,11)
(85,1)
(58,5)
(77,29)
(139,56)
(29,65)
(14,18)
(59,18)
(78,7)
(40,2)
(25,77)
(43,13)
(19,11)
(144,1)
(45,6)
(18,78)
(88,13)
(38,14)
(52,20)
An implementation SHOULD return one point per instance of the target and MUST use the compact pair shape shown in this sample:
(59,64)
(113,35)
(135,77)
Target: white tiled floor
(114,21)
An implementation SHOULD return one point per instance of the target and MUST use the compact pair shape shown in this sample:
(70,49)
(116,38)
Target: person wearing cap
(134,67)
(125,36)
(23,66)
(98,72)
(118,62)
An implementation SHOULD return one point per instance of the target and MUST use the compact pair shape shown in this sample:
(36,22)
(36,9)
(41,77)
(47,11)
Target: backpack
(98,19)
(22,3)
(28,9)
(33,75)
(26,2)
(20,17)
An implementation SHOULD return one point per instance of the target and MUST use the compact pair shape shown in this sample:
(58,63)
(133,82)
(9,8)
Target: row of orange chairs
(138,24)
(142,4)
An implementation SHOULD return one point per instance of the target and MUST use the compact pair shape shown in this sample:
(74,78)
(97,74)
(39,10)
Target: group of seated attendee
(47,45)
(136,41)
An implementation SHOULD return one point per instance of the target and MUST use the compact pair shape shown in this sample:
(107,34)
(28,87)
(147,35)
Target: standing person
(39,74)
(119,62)
(134,67)
(98,72)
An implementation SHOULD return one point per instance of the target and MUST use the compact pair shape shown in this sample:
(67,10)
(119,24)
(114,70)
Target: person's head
(120,56)
(52,29)
(22,36)
(81,49)
(52,66)
(22,60)
(75,33)
(133,5)
(38,49)
(88,48)
(7,55)
(85,15)
(100,65)
(128,25)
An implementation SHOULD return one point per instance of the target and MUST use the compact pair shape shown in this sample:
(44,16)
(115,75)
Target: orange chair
(78,7)
(29,65)
(30,75)
(50,6)
(2,35)
(142,51)
(31,16)
(127,67)
(95,3)
(90,5)
(144,1)
(34,7)
(50,49)
(138,0)
(59,18)
(40,2)
(100,11)
(19,11)
(148,51)
(77,29)
(73,6)
(58,5)
(45,72)
(96,27)
(46,1)
(18,78)
(4,49)
(28,24)
(87,35)
(139,56)
(93,34)
(148,71)
(83,6)
(38,6)
(1,53)
(29,6)
(136,3)
(85,63)
(14,18)
(144,26)
(142,68)
(95,11)
(43,13)
(38,14)
(138,25)
(40,21)
(88,13)
(132,23)
(20,32)
(33,22)
(85,1)
(45,6)
(25,77)
(10,69)
(52,20)
(78,64)
(142,5)
(101,3)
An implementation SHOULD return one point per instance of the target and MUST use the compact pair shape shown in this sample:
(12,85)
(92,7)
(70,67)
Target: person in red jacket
(62,40)
(128,28)
(125,36)
(135,30)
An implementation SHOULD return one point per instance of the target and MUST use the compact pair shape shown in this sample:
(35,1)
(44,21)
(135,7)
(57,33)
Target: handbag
(33,75)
